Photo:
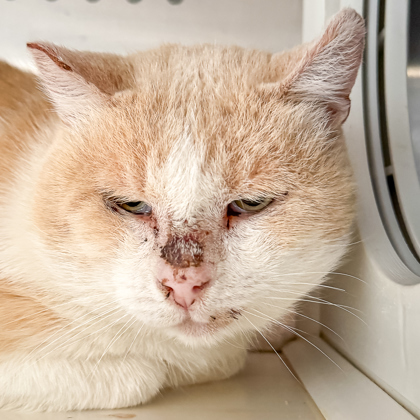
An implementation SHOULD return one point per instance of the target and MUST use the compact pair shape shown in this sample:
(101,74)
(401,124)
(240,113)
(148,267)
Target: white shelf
(340,391)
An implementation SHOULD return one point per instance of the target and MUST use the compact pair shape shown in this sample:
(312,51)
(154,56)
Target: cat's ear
(327,72)
(77,82)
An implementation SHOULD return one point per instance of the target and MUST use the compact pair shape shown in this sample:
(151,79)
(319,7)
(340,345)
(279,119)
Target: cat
(175,203)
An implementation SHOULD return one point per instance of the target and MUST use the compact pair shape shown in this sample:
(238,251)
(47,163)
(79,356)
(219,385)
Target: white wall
(119,26)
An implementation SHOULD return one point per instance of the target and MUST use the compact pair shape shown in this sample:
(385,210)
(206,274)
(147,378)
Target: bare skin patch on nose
(182,252)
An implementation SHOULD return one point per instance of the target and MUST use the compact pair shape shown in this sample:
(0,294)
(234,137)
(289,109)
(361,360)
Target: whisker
(325,286)
(293,292)
(70,323)
(292,330)
(308,317)
(70,342)
(131,345)
(233,345)
(325,273)
(117,335)
(88,298)
(320,302)
(275,351)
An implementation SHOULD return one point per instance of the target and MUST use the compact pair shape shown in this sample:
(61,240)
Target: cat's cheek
(137,294)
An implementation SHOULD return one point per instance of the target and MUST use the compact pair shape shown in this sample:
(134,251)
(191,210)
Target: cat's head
(202,189)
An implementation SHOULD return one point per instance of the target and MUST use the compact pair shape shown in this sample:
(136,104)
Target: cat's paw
(61,385)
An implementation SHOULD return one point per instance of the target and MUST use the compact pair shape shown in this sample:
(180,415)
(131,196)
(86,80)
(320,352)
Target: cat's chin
(196,333)
(196,329)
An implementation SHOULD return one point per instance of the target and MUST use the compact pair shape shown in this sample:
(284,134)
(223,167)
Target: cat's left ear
(78,82)
(327,72)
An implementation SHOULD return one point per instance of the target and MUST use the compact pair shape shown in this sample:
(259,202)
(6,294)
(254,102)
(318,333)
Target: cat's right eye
(136,207)
(248,206)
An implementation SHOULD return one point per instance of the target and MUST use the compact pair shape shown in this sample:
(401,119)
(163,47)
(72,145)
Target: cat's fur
(83,322)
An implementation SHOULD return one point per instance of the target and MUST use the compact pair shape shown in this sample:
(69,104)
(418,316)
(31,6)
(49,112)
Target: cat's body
(101,307)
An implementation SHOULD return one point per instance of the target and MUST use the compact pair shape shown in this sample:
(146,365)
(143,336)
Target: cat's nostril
(184,294)
(201,287)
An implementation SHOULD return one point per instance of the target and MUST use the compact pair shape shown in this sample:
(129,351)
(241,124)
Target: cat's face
(139,200)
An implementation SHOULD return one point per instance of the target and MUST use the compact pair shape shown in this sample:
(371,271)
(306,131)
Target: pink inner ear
(327,72)
(342,113)
(72,95)
(49,53)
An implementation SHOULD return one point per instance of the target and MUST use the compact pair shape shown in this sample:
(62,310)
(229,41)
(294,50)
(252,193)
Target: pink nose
(184,285)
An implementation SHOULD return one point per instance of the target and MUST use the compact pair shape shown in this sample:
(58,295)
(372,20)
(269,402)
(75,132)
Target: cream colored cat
(158,209)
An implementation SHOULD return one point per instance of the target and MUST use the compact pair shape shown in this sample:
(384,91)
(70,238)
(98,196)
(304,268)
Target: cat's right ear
(75,82)
(328,70)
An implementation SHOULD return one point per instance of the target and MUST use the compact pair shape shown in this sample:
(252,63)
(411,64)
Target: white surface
(264,390)
(387,348)
(119,26)
(340,391)
(315,14)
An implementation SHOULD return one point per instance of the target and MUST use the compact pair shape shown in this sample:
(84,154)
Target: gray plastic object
(390,152)
(396,102)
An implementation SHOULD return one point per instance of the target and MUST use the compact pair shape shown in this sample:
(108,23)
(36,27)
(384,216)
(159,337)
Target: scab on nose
(182,252)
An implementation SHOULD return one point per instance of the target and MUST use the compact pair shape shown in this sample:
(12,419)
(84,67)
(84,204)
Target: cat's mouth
(215,323)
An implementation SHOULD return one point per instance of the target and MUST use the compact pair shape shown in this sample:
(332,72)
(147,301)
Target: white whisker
(312,284)
(70,342)
(293,330)
(131,345)
(50,308)
(275,351)
(117,335)
(308,317)
(72,329)
(320,301)
(326,273)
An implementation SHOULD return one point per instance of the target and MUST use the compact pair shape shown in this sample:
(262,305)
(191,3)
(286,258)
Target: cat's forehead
(185,160)
(205,68)
(186,180)
(196,128)
(196,150)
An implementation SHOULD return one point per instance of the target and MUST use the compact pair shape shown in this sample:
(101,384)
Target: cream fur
(188,130)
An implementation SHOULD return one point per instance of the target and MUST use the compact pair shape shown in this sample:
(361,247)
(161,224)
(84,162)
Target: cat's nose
(186,293)
(183,252)
(184,286)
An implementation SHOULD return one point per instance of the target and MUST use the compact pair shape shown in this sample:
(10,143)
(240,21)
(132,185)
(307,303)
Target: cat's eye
(136,207)
(248,206)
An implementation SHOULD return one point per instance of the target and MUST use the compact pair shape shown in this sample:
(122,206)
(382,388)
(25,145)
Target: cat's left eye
(248,206)
(136,207)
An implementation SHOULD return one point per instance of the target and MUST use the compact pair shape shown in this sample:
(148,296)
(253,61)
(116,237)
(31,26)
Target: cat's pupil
(136,207)
(252,203)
